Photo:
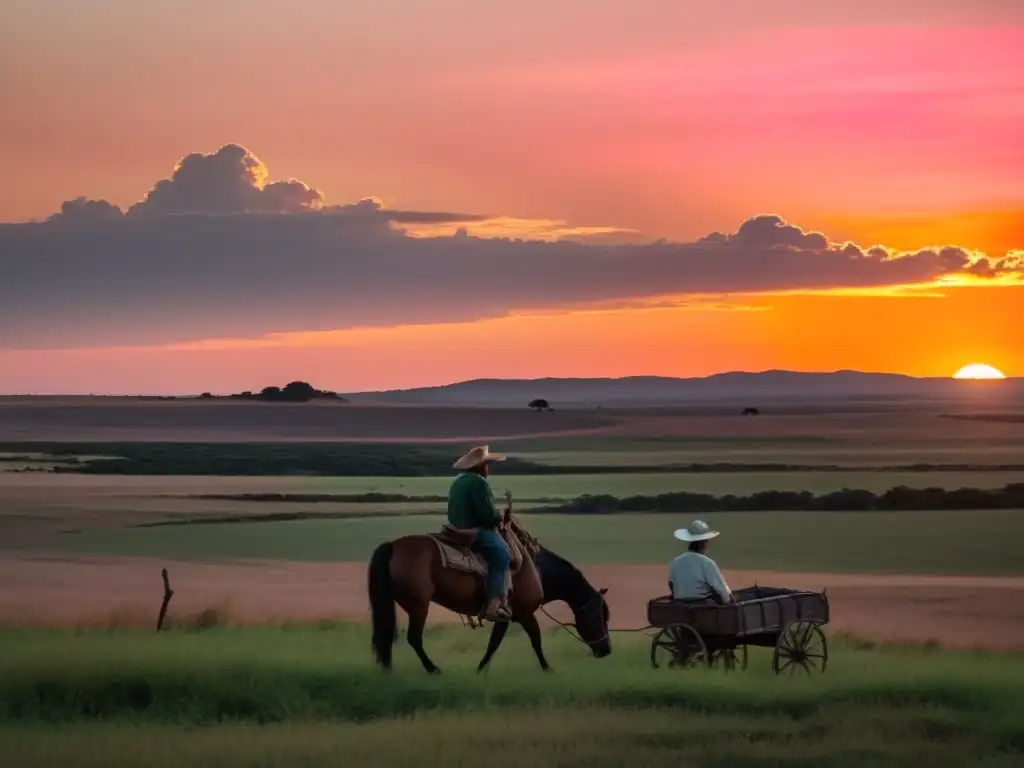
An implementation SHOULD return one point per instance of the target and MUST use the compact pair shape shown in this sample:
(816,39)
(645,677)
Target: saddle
(455,546)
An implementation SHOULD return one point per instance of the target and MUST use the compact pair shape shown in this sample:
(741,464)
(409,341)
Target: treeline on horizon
(897,499)
(293,392)
(357,460)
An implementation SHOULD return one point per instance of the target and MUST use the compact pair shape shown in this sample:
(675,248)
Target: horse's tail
(382,604)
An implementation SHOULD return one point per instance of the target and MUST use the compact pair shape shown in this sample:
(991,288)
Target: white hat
(476,457)
(698,530)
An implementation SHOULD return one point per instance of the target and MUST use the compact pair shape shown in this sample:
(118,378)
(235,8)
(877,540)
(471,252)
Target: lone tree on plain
(540,405)
(751,412)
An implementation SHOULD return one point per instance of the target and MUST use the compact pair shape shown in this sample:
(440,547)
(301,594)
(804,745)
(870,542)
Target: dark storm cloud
(217,251)
(82,209)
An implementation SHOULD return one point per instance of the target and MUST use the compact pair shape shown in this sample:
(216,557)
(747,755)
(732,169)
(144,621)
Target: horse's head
(564,582)
(592,618)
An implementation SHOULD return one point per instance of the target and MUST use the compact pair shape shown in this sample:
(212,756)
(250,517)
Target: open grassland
(866,542)
(310,697)
(109,419)
(39,510)
(367,440)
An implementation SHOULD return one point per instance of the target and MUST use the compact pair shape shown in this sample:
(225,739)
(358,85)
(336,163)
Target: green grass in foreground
(191,698)
(843,737)
(862,542)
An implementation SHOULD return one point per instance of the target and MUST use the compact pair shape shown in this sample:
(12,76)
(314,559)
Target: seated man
(471,505)
(693,575)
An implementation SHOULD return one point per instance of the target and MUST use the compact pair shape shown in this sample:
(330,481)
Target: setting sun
(979,371)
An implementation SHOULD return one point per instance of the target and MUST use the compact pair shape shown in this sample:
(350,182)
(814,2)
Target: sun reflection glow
(979,371)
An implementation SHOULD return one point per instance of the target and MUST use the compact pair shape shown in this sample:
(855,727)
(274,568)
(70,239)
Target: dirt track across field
(966,612)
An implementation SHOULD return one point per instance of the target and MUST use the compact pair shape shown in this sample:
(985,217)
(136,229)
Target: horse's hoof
(434,671)
(548,670)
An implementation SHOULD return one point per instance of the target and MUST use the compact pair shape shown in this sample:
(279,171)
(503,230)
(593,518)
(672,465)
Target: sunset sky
(220,195)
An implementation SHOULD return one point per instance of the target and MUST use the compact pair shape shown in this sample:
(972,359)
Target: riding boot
(497,613)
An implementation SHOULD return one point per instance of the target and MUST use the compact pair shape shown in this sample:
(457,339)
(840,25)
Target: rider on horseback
(471,505)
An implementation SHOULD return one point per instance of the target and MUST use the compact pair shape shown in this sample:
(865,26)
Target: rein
(532,546)
(571,628)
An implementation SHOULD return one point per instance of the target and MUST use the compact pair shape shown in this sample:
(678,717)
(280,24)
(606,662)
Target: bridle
(573,629)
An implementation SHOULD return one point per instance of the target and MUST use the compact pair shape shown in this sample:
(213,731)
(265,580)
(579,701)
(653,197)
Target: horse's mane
(559,559)
(527,539)
(582,589)
(535,548)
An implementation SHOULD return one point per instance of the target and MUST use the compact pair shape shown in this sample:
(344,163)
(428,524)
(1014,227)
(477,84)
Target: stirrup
(502,614)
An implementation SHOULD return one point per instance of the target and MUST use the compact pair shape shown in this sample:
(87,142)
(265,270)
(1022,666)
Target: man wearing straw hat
(693,575)
(471,505)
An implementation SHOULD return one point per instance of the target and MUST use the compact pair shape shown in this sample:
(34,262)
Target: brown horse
(408,571)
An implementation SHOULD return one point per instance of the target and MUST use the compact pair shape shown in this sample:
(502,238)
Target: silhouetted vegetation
(257,459)
(368,460)
(540,404)
(294,392)
(898,499)
(751,412)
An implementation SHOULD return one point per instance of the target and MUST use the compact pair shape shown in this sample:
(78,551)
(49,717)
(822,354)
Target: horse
(409,571)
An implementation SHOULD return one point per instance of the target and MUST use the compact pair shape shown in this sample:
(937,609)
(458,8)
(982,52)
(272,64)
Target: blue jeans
(490,545)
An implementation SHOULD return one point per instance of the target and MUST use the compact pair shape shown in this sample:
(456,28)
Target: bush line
(367,460)
(897,499)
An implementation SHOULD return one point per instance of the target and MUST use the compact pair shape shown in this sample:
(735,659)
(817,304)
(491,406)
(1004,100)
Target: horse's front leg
(529,623)
(497,635)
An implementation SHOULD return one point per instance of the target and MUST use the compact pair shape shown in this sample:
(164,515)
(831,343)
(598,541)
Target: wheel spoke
(681,645)
(806,636)
(801,644)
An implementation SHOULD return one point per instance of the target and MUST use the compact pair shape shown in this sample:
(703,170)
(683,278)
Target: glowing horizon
(979,371)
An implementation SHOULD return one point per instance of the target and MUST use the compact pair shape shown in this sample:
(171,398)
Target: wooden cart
(695,633)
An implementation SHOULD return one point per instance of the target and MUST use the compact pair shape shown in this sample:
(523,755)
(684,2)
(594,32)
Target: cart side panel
(707,618)
(750,617)
(772,614)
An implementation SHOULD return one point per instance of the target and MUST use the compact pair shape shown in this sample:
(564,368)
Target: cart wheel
(801,644)
(678,645)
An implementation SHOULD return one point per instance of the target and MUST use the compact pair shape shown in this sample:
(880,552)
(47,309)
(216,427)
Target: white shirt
(693,576)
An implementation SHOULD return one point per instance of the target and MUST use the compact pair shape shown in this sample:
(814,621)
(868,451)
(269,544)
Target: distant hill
(661,390)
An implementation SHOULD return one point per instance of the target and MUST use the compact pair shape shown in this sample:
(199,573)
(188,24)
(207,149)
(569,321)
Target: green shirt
(471,503)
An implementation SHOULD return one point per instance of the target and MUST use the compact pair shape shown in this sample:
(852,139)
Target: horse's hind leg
(529,623)
(417,621)
(497,635)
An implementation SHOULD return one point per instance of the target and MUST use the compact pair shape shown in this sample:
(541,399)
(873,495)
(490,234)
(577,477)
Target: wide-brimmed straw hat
(479,455)
(698,530)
